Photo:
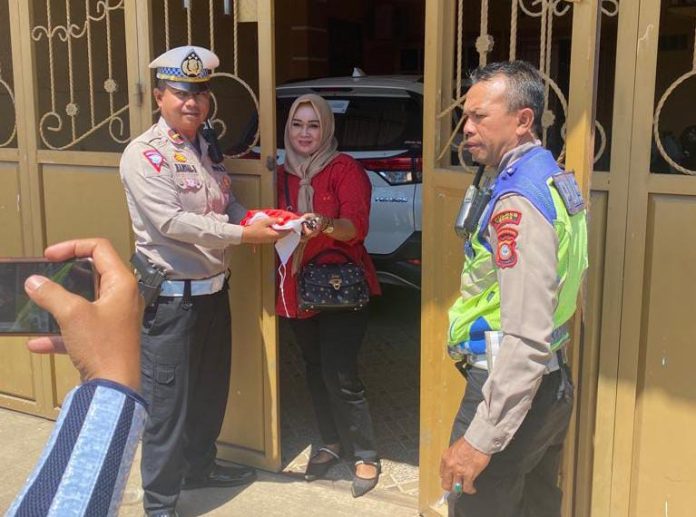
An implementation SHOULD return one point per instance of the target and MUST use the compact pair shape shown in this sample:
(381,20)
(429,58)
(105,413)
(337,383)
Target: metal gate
(70,111)
(645,395)
(625,454)
(74,88)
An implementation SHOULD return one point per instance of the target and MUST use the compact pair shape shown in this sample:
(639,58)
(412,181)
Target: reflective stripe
(479,361)
(198,287)
(560,336)
(494,340)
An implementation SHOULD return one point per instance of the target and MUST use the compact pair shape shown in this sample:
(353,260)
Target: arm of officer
(157,197)
(524,244)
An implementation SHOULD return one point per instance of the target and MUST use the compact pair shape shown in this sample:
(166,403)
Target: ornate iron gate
(465,34)
(71,105)
(635,343)
(76,48)
(74,87)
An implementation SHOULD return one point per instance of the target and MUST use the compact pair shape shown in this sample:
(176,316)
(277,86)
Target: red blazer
(342,191)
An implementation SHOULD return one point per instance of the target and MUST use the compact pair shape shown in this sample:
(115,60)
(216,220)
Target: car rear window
(367,123)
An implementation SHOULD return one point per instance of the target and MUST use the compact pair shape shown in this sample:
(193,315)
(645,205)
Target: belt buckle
(477,361)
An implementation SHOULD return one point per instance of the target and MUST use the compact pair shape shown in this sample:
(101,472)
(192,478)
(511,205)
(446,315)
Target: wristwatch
(329,228)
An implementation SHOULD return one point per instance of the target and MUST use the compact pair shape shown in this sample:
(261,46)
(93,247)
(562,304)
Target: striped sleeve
(85,465)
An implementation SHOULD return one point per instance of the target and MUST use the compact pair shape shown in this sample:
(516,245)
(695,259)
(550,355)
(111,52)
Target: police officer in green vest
(525,258)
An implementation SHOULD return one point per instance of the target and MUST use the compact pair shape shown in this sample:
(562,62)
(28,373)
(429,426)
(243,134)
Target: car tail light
(396,170)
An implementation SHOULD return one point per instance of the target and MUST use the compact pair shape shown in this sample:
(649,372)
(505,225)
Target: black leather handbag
(332,287)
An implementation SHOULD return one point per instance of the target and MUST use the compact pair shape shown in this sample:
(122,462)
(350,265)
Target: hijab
(306,167)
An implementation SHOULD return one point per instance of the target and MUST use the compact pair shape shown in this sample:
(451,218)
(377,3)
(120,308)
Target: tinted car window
(367,123)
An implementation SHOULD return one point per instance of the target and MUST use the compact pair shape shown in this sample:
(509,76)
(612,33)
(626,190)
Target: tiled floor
(389,367)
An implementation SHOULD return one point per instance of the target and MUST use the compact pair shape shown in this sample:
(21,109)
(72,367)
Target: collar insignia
(175,137)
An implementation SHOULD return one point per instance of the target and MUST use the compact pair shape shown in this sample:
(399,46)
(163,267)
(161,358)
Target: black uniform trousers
(330,342)
(522,479)
(186,355)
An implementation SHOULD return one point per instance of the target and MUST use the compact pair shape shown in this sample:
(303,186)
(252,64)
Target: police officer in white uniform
(184,218)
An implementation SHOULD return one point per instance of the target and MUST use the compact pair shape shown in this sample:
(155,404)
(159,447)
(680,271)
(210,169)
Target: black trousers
(522,479)
(330,343)
(186,356)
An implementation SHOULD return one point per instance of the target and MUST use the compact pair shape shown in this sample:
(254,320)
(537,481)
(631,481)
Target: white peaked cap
(188,64)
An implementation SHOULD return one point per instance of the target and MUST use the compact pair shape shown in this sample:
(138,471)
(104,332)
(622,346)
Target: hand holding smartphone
(19,315)
(102,337)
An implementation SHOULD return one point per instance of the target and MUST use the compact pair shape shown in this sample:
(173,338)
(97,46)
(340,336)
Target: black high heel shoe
(361,485)
(317,470)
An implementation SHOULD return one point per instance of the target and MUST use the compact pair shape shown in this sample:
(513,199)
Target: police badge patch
(505,217)
(506,256)
(155,159)
(504,225)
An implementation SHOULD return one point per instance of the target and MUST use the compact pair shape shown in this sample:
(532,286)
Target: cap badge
(192,65)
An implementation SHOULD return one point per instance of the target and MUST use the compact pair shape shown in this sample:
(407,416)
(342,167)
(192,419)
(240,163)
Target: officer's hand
(260,232)
(462,463)
(102,338)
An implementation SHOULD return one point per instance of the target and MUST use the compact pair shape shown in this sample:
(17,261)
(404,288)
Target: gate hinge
(139,95)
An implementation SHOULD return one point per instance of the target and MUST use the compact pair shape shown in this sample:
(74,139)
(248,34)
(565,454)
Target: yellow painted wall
(85,201)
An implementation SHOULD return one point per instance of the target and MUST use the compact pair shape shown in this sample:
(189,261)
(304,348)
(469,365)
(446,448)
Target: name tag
(184,167)
(569,191)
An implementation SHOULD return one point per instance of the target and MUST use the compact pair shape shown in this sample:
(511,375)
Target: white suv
(379,122)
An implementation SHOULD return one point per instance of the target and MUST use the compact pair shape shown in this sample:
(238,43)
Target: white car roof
(374,83)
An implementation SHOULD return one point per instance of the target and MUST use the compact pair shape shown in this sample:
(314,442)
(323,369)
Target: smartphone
(18,314)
